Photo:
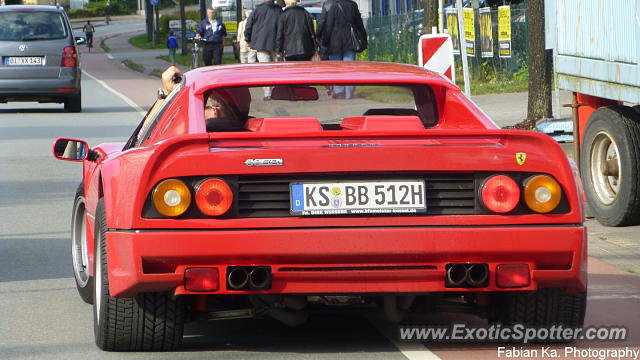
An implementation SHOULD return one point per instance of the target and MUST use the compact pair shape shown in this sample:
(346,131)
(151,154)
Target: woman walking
(344,35)
(295,37)
(247,54)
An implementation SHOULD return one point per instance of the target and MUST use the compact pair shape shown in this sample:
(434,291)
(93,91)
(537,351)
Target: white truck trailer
(596,46)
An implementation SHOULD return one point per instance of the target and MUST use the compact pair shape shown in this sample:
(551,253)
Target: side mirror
(70,149)
(295,93)
(81,40)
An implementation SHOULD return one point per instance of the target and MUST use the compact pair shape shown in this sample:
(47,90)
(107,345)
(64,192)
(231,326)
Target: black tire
(622,125)
(73,104)
(147,322)
(545,307)
(79,261)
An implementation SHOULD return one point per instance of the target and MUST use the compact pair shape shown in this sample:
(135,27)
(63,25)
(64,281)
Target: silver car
(40,61)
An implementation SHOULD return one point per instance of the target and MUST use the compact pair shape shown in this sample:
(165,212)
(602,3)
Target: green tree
(430,15)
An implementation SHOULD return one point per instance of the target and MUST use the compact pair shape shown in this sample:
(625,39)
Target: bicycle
(195,52)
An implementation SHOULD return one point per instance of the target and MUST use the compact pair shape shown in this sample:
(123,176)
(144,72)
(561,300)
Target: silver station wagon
(40,60)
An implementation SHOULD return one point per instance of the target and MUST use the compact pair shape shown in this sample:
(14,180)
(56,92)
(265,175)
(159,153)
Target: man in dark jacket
(212,31)
(295,36)
(260,33)
(336,37)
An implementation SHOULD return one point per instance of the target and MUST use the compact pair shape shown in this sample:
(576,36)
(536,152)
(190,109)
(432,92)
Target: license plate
(358,198)
(23,60)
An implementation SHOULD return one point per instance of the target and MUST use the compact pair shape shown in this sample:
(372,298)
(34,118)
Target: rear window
(227,109)
(31,26)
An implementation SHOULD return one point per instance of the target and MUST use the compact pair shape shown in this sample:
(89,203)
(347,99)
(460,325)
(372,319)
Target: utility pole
(148,15)
(183,28)
(157,17)
(463,49)
(203,9)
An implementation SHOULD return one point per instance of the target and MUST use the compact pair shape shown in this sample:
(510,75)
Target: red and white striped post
(435,53)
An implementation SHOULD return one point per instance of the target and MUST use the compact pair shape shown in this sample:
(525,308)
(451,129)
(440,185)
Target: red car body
(331,254)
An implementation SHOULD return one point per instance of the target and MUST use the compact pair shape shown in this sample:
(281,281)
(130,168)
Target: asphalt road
(42,317)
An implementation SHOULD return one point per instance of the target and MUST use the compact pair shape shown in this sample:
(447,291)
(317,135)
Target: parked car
(404,196)
(40,61)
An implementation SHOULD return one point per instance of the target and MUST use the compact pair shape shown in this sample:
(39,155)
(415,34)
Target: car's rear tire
(79,248)
(544,307)
(147,322)
(73,104)
(612,140)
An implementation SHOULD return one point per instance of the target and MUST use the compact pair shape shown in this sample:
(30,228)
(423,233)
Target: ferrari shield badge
(521,158)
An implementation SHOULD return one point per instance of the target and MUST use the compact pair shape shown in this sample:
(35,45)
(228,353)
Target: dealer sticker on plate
(361,198)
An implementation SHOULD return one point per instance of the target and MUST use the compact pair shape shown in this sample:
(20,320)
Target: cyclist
(88,32)
(107,13)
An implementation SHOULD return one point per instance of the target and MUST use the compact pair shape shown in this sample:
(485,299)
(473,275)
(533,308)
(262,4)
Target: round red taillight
(214,197)
(500,194)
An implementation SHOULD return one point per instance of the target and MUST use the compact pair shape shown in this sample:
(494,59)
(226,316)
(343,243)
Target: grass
(141,42)
(185,60)
(629,270)
(509,86)
(133,65)
(384,94)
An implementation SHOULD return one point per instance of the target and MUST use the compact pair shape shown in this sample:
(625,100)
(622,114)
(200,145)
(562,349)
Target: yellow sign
(486,33)
(232,26)
(452,29)
(504,31)
(469,31)
(521,158)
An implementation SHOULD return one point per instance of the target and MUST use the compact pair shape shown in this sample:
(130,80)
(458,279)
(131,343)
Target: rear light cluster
(172,197)
(69,57)
(501,194)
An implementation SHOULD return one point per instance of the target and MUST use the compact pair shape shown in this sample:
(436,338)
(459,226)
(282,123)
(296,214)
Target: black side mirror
(70,149)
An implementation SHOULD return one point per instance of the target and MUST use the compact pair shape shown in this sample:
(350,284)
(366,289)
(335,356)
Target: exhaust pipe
(260,278)
(477,274)
(238,278)
(456,275)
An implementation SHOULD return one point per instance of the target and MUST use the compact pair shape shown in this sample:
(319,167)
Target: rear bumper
(63,87)
(346,260)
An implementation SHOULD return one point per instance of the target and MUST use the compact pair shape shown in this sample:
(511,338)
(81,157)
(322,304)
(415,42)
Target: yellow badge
(521,158)
(335,191)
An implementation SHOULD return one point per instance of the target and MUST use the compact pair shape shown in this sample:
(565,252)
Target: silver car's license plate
(358,198)
(23,60)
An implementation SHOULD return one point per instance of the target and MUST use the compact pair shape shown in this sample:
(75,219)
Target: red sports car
(265,190)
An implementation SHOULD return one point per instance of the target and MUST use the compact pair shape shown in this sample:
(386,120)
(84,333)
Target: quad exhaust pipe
(249,277)
(467,275)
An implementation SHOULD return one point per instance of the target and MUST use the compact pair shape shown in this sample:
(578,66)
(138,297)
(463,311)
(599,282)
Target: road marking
(117,93)
(410,350)
(109,56)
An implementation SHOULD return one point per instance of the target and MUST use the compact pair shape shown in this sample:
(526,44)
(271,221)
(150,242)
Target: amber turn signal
(171,197)
(214,197)
(542,193)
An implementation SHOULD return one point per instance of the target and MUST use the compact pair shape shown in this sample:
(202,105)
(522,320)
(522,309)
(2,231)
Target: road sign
(232,26)
(435,53)
(175,24)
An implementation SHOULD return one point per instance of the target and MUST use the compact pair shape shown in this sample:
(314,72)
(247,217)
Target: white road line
(110,56)
(117,93)
(410,350)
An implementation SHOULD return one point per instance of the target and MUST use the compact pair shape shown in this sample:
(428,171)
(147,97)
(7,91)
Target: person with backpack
(343,36)
(172,45)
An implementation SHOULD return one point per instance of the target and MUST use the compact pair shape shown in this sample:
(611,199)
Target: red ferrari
(266,190)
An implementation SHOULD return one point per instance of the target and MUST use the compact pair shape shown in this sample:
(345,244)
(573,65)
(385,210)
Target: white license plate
(23,60)
(358,198)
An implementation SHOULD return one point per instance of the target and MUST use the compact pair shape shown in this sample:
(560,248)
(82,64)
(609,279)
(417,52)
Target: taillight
(171,197)
(542,193)
(69,57)
(500,194)
(214,197)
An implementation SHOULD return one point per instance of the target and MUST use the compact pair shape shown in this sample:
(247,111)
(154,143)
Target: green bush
(96,9)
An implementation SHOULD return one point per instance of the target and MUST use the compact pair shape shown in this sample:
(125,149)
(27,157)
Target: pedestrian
(172,45)
(326,6)
(295,37)
(260,34)
(247,54)
(344,35)
(212,32)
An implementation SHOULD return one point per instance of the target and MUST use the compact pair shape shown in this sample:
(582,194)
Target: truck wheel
(79,248)
(610,165)
(545,307)
(146,322)
(73,104)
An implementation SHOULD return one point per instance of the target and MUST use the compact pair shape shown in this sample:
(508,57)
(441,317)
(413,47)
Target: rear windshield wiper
(35,38)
